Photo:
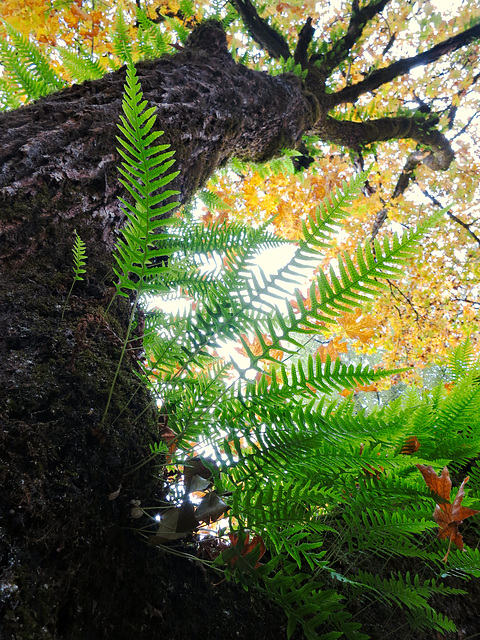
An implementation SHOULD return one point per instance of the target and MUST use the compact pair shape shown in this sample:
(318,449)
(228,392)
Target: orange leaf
(248,547)
(411,445)
(441,485)
(447,515)
(333,349)
(359,329)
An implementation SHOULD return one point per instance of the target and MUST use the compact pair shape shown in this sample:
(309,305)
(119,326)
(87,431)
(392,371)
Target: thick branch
(358,134)
(304,39)
(209,107)
(341,48)
(263,34)
(401,67)
(408,171)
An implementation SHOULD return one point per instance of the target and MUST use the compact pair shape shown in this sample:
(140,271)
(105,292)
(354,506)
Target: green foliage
(283,164)
(289,66)
(333,490)
(142,246)
(79,262)
(28,74)
(151,41)
(81,65)
(122,43)
(211,200)
(142,251)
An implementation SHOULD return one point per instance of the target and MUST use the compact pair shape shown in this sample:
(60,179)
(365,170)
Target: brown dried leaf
(447,516)
(441,485)
(411,445)
(197,467)
(176,523)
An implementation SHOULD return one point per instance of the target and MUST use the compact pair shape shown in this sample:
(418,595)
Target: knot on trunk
(209,36)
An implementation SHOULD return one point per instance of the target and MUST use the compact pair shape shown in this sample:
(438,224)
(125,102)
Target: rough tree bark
(71,568)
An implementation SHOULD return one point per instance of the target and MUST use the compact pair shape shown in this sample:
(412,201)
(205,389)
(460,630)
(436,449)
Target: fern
(153,42)
(122,43)
(31,75)
(79,262)
(331,489)
(80,65)
(211,200)
(144,162)
(412,593)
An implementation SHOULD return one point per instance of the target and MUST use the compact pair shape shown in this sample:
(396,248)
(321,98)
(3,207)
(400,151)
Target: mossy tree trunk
(71,567)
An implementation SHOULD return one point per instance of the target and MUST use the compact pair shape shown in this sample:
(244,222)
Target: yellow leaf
(358,328)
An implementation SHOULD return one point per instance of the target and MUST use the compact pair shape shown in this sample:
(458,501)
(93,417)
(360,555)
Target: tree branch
(401,67)
(263,34)
(452,216)
(341,47)
(408,171)
(357,134)
(406,298)
(304,39)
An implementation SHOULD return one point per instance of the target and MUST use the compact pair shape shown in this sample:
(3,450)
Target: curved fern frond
(411,592)
(27,67)
(80,65)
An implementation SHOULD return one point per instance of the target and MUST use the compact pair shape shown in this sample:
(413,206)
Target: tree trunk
(73,565)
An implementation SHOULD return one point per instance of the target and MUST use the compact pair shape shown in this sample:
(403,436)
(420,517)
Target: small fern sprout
(79,261)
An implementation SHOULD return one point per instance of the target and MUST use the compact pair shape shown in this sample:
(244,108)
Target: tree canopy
(396,89)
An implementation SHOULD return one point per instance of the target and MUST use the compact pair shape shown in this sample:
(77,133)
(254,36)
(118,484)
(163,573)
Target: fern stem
(66,301)
(124,348)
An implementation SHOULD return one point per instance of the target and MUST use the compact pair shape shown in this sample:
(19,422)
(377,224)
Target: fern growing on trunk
(330,492)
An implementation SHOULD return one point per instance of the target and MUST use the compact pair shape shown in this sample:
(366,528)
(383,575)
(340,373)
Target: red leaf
(248,547)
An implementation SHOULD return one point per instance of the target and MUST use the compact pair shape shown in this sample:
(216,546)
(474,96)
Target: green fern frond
(152,42)
(254,311)
(28,65)
(461,359)
(79,257)
(187,7)
(310,605)
(140,247)
(9,96)
(28,70)
(122,43)
(144,162)
(80,65)
(413,594)
(464,563)
(79,262)
(211,200)
(178,29)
